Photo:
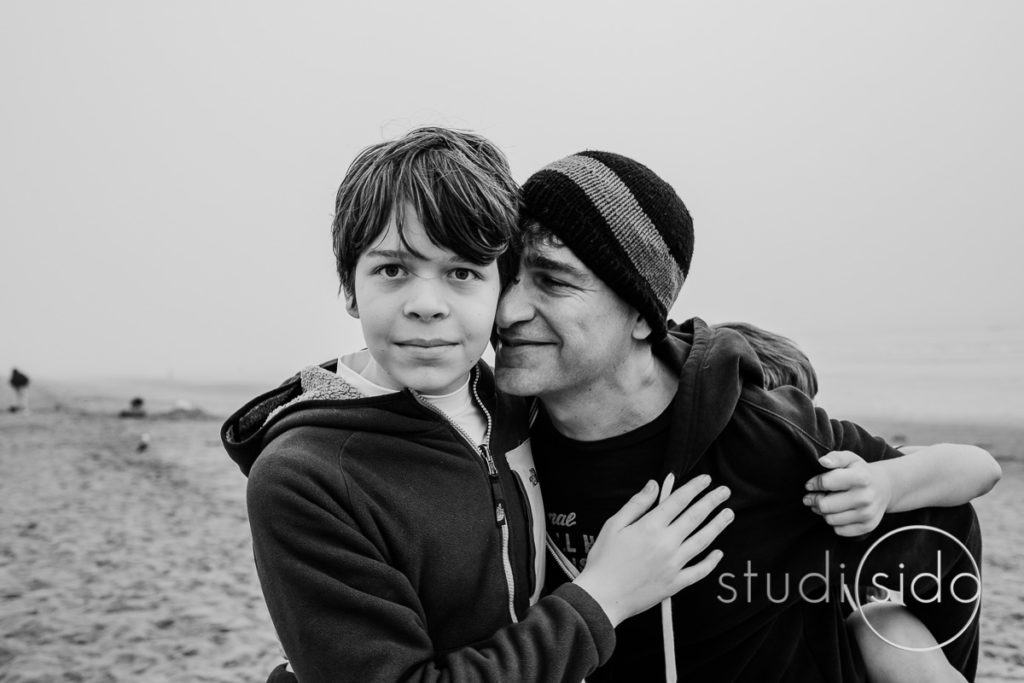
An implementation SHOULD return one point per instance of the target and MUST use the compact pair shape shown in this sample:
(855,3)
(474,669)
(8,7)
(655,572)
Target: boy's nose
(514,306)
(427,300)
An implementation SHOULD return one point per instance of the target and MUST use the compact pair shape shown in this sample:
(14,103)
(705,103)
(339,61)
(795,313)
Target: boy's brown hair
(782,361)
(458,183)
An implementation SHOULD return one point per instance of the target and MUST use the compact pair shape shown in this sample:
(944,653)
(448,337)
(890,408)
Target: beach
(122,564)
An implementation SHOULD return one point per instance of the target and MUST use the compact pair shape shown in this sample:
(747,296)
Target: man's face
(561,329)
(426,319)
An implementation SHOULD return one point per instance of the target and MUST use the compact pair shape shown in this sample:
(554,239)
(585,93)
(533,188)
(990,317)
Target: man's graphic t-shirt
(584,483)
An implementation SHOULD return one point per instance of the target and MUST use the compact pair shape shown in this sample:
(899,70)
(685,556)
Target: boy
(782,361)
(388,491)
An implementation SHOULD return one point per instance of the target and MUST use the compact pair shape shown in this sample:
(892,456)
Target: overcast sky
(168,170)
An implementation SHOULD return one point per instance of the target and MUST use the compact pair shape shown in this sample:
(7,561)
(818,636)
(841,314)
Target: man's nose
(427,300)
(515,305)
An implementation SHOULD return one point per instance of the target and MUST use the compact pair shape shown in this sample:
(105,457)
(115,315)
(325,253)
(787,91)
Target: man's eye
(552,283)
(465,274)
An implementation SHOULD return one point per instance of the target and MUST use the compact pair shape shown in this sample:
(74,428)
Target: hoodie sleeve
(944,542)
(344,613)
(796,413)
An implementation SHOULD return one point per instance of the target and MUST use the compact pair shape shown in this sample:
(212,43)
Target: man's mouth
(515,342)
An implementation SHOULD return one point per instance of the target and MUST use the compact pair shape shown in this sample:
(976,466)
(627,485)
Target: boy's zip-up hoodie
(742,623)
(391,548)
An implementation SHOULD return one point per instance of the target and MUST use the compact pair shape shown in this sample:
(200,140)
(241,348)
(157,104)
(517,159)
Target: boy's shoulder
(314,397)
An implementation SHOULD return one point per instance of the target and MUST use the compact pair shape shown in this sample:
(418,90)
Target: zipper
(497,496)
(563,562)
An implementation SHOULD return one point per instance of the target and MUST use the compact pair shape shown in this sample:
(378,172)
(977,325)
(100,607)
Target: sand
(117,565)
(120,565)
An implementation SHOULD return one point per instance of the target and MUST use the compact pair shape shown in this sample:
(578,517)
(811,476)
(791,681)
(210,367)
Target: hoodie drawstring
(668,636)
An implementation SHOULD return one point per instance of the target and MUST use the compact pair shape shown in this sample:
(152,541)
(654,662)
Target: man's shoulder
(787,410)
(782,413)
(787,405)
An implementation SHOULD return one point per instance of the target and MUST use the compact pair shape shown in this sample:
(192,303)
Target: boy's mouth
(426,343)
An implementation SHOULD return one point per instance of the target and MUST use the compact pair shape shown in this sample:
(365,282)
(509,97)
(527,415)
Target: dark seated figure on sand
(137,409)
(18,382)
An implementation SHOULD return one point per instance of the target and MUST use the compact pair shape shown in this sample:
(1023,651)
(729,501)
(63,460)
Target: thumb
(635,507)
(837,459)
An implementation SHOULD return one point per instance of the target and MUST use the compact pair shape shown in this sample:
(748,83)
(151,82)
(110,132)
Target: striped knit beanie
(622,221)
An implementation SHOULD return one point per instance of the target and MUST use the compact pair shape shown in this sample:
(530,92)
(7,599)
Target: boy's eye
(389,270)
(465,274)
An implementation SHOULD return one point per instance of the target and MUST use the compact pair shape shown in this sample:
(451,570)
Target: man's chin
(515,381)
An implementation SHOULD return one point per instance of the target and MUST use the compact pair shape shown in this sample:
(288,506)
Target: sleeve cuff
(600,627)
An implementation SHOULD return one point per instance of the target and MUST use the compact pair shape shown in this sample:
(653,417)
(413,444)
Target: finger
(813,501)
(695,515)
(666,487)
(851,530)
(670,508)
(825,504)
(691,575)
(691,546)
(837,459)
(635,507)
(836,480)
(847,517)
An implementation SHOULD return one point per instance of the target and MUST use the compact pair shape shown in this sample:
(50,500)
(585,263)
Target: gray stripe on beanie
(630,225)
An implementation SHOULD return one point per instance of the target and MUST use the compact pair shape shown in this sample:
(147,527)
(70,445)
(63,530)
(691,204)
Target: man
(625,397)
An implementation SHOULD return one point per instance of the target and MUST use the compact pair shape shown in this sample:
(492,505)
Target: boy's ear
(350,305)
(641,328)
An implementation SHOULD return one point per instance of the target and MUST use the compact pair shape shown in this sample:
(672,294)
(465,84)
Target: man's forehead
(555,257)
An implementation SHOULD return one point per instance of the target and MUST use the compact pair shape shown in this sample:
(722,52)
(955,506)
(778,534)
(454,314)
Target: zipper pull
(492,469)
(499,513)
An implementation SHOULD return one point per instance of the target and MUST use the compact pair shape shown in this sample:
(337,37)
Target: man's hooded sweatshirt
(391,548)
(752,620)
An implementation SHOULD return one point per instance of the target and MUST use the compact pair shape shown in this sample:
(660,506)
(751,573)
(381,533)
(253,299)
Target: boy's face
(562,331)
(426,319)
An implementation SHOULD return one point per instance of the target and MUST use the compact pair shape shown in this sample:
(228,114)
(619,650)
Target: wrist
(891,482)
(605,599)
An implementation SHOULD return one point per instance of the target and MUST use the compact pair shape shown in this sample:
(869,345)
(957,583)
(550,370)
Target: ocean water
(111,395)
(970,373)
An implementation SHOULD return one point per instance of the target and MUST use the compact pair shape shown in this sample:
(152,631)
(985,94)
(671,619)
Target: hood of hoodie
(713,366)
(312,398)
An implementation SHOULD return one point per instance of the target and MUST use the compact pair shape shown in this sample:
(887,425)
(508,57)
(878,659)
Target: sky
(168,170)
